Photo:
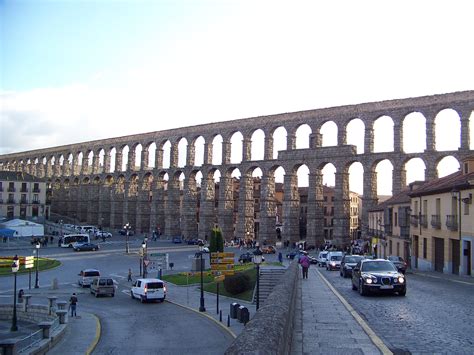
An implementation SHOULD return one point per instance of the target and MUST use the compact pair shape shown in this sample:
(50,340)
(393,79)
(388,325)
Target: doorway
(438,254)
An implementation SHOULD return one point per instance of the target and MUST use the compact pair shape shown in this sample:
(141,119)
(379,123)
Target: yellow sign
(29,262)
(223,272)
(222,255)
(222,261)
(222,267)
(219,278)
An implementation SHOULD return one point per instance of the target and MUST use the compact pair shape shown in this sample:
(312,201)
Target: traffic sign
(222,255)
(29,262)
(146,262)
(222,261)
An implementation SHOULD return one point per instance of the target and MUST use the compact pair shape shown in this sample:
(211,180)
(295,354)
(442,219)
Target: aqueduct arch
(149,195)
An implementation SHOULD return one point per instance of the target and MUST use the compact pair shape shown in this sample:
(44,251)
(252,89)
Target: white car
(334,259)
(321,259)
(86,277)
(148,289)
(103,234)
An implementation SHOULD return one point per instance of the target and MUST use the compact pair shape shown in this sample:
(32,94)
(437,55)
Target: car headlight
(401,280)
(333,263)
(369,281)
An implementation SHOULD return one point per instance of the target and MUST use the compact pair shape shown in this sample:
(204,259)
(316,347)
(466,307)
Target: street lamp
(257,259)
(37,246)
(127,228)
(144,257)
(15,267)
(201,306)
(61,228)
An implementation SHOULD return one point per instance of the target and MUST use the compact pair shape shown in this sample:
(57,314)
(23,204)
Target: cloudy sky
(77,70)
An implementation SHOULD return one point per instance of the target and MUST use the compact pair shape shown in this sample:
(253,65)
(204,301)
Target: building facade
(22,196)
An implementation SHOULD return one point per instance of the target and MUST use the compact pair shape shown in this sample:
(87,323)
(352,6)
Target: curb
(370,333)
(232,334)
(98,330)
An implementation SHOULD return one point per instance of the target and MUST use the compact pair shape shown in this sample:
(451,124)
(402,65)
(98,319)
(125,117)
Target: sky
(76,70)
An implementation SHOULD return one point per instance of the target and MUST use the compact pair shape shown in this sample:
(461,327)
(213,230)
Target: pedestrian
(51,239)
(21,293)
(129,275)
(73,305)
(280,257)
(305,263)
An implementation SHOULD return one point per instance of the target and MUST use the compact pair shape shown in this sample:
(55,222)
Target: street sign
(146,262)
(222,255)
(222,261)
(222,267)
(29,262)
(223,272)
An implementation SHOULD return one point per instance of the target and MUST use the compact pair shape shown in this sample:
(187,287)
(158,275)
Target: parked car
(193,241)
(86,247)
(334,260)
(86,276)
(103,234)
(378,275)
(177,240)
(347,264)
(294,253)
(399,262)
(247,257)
(124,232)
(321,259)
(269,249)
(103,286)
(148,290)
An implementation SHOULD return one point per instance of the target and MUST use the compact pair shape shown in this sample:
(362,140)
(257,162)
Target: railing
(36,189)
(414,220)
(452,222)
(24,201)
(405,232)
(23,189)
(423,221)
(436,221)
(35,202)
(11,189)
(11,200)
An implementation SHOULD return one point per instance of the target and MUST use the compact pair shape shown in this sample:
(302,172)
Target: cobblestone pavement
(435,316)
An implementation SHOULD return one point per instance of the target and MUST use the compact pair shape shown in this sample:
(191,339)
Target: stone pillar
(465,114)
(49,168)
(341,135)
(57,166)
(159,197)
(315,212)
(369,200)
(190,154)
(173,210)
(268,209)
(126,195)
(159,158)
(246,149)
(268,154)
(342,210)
(85,166)
(95,163)
(174,155)
(106,168)
(245,220)
(143,205)
(207,153)
(430,131)
(111,193)
(431,173)
(399,178)
(369,137)
(144,159)
(291,141)
(226,150)
(132,153)
(206,210)
(67,169)
(40,169)
(397,135)
(291,205)
(188,214)
(226,207)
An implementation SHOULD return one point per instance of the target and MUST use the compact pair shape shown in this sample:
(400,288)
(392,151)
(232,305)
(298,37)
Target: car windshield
(353,259)
(394,258)
(91,273)
(378,266)
(154,285)
(336,257)
(323,255)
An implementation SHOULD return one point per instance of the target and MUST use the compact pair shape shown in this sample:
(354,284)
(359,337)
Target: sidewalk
(325,325)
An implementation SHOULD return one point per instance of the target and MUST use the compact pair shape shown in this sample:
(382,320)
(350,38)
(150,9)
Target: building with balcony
(22,196)
(442,223)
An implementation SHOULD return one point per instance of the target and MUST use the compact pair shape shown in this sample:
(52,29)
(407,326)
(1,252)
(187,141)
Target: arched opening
(182,152)
(236,148)
(415,170)
(447,166)
(279,141)
(151,155)
(384,170)
(356,178)
(355,131)
(258,145)
(217,150)
(383,135)
(302,136)
(199,151)
(448,130)
(329,133)
(414,133)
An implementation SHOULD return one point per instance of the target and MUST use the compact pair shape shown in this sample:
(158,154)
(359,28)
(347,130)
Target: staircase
(269,277)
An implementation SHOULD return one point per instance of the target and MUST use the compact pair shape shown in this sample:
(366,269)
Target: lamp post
(201,305)
(15,267)
(37,246)
(144,250)
(127,228)
(257,259)
(60,228)
(456,194)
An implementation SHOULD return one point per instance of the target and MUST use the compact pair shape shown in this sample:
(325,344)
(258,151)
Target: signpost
(222,264)
(158,261)
(29,262)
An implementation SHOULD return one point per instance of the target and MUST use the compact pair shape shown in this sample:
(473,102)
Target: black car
(399,262)
(347,264)
(124,232)
(86,247)
(247,257)
(291,255)
(378,275)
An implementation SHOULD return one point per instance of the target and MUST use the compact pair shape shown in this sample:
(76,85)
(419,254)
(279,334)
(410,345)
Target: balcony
(36,202)
(414,220)
(24,189)
(11,201)
(436,221)
(423,221)
(405,232)
(23,201)
(452,222)
(36,190)
(11,189)
(387,229)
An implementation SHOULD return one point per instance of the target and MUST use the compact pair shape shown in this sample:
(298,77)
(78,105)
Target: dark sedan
(247,257)
(399,262)
(347,264)
(378,275)
(86,247)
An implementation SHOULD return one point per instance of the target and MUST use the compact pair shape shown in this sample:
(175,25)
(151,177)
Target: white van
(86,277)
(333,261)
(148,289)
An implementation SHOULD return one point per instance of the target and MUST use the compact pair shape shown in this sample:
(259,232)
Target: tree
(217,241)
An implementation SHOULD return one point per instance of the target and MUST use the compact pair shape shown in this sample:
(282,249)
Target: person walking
(280,257)
(129,275)
(73,305)
(305,263)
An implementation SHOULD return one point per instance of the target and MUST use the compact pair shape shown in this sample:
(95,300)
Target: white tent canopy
(24,228)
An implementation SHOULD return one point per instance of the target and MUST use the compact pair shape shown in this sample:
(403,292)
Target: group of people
(42,240)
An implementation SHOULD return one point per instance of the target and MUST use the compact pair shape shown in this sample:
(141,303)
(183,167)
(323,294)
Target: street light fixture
(127,229)
(201,305)
(15,268)
(37,246)
(257,259)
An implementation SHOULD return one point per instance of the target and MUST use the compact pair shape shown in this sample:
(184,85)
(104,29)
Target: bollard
(228,320)
(220,315)
(233,310)
(54,285)
(27,301)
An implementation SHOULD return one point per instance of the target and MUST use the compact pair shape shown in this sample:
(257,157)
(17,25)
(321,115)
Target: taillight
(164,288)
(146,288)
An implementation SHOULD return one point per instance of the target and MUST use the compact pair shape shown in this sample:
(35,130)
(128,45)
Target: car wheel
(142,299)
(112,294)
(402,293)
(340,274)
(131,294)
(93,249)
(353,286)
(96,295)
(362,290)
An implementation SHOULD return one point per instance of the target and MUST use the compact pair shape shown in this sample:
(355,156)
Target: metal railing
(452,222)
(436,221)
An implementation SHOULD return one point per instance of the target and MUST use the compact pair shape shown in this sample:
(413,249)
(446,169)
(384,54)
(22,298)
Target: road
(128,326)
(435,316)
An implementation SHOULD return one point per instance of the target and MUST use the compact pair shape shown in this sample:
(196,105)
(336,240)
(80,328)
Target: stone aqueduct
(141,196)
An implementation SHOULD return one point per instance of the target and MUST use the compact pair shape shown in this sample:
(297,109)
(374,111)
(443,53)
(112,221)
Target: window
(396,219)
(425,248)
(390,247)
